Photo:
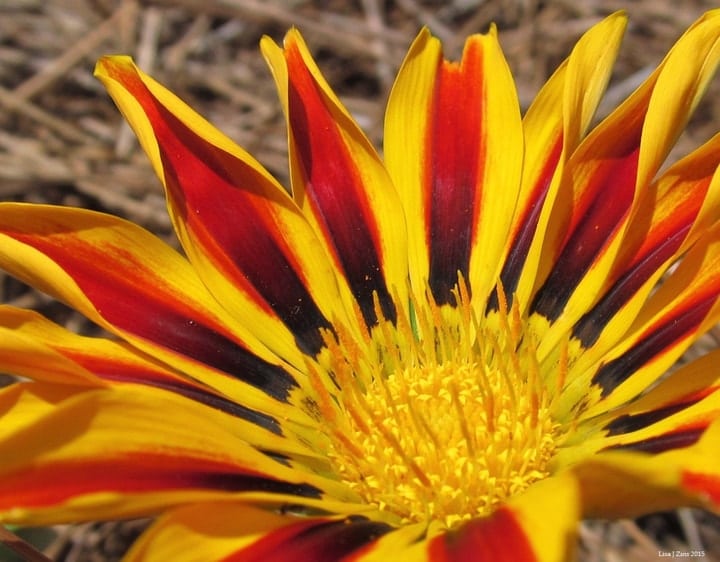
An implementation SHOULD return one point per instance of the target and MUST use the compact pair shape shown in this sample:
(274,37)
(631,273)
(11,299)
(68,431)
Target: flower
(460,349)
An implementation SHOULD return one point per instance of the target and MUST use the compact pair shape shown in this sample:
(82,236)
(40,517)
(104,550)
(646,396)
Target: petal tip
(106,62)
(110,66)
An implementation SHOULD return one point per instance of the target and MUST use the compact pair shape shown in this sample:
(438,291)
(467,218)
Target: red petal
(328,174)
(455,165)
(704,484)
(131,474)
(132,283)
(497,538)
(228,209)
(314,540)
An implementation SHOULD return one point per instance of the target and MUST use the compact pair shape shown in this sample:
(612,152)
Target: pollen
(441,415)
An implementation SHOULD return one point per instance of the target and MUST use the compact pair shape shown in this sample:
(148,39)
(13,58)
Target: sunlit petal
(453,351)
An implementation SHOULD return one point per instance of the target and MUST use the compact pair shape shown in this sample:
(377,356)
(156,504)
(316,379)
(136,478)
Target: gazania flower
(452,352)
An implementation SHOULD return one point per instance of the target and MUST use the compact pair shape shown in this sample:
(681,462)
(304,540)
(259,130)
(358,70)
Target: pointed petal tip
(267,42)
(421,40)
(710,14)
(619,15)
(617,20)
(294,39)
(423,35)
(110,64)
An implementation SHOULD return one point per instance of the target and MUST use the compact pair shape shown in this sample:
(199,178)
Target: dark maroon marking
(628,423)
(517,256)
(613,186)
(591,325)
(203,397)
(449,249)
(453,144)
(235,481)
(277,457)
(612,374)
(212,186)
(207,346)
(232,182)
(329,185)
(313,541)
(186,336)
(662,443)
(123,302)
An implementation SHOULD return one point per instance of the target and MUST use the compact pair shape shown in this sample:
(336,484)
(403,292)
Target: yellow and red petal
(611,169)
(398,544)
(139,450)
(24,356)
(682,308)
(671,415)
(34,347)
(679,207)
(453,134)
(553,127)
(656,453)
(134,285)
(499,537)
(240,228)
(538,526)
(684,205)
(617,483)
(231,531)
(340,182)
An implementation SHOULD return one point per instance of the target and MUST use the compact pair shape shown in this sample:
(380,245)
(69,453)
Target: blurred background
(62,141)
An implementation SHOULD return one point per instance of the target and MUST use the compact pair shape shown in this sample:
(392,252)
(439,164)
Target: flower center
(442,415)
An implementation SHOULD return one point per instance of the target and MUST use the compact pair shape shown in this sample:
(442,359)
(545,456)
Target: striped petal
(538,526)
(680,206)
(500,538)
(673,414)
(339,181)
(685,203)
(34,347)
(230,406)
(452,134)
(140,450)
(618,484)
(235,532)
(240,228)
(229,531)
(554,125)
(131,283)
(609,172)
(656,453)
(685,306)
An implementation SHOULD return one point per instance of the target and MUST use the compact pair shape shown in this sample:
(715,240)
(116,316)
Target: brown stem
(28,552)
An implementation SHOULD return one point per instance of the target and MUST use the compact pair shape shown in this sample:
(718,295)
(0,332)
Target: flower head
(458,349)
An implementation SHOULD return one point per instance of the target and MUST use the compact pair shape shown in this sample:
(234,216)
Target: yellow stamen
(442,414)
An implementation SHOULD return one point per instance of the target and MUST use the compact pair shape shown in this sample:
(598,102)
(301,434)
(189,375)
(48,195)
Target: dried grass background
(62,141)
